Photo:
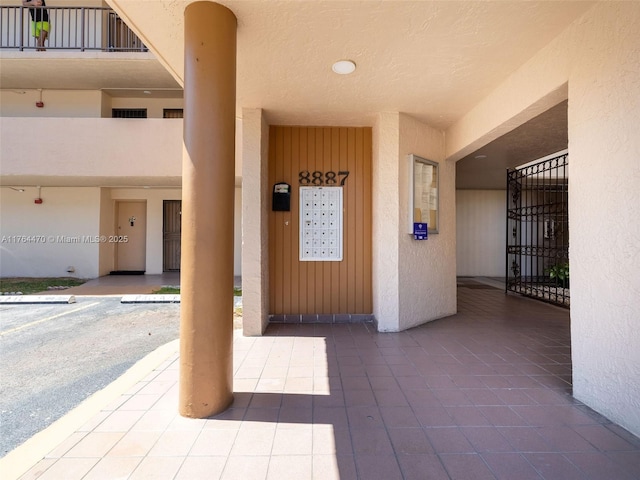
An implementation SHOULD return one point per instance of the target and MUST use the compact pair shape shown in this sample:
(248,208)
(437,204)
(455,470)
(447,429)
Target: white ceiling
(434,60)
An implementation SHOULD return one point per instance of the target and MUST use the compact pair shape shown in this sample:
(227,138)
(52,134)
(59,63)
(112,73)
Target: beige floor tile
(255,441)
(293,440)
(66,445)
(246,468)
(174,443)
(120,421)
(96,420)
(110,468)
(197,468)
(325,467)
(135,444)
(38,469)
(95,444)
(69,469)
(141,401)
(157,468)
(214,442)
(156,420)
(290,466)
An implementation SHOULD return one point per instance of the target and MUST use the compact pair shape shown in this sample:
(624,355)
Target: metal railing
(70,28)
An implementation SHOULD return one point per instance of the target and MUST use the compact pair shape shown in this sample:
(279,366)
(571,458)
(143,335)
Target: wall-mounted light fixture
(38,200)
(40,103)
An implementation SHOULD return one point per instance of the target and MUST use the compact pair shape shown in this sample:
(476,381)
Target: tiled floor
(485,394)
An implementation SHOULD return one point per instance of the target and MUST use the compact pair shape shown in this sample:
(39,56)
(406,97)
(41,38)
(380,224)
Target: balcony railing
(71,28)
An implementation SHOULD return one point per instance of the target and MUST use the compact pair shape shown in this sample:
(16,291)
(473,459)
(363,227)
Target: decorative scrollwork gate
(537,263)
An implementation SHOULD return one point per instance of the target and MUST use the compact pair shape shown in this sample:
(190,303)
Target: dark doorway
(171,228)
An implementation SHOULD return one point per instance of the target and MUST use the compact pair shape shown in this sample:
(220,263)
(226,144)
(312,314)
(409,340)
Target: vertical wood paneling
(321,287)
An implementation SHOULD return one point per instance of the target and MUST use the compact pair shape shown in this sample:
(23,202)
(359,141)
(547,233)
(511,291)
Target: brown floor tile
(482,395)
(410,441)
(378,467)
(466,467)
(508,466)
(421,467)
(554,466)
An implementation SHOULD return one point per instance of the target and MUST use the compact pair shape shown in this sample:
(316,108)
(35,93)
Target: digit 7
(346,174)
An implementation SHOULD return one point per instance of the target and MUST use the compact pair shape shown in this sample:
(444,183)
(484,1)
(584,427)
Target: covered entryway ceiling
(432,60)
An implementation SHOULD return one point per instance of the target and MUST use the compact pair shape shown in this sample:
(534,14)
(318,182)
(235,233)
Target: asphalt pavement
(52,357)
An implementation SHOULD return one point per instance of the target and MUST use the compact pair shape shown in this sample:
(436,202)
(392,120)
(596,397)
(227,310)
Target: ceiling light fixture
(344,67)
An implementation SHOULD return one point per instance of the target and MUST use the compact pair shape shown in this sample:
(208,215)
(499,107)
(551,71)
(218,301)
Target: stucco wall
(57,103)
(85,147)
(598,58)
(604,195)
(44,240)
(413,281)
(480,238)
(255,232)
(385,221)
(427,269)
(154,106)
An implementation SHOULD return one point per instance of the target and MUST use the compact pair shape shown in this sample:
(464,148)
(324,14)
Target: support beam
(208,186)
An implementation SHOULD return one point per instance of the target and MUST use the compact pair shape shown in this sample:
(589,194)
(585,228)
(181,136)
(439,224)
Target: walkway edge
(18,461)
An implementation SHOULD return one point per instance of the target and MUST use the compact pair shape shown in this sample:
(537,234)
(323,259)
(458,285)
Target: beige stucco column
(208,182)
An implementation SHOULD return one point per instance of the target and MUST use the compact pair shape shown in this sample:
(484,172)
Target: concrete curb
(34,299)
(21,459)
(150,299)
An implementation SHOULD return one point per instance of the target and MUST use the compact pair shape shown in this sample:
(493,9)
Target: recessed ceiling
(540,136)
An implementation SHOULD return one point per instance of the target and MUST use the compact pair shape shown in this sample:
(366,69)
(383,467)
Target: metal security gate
(171,230)
(538,231)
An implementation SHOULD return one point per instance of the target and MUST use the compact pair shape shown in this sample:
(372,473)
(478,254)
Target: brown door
(327,158)
(171,229)
(131,229)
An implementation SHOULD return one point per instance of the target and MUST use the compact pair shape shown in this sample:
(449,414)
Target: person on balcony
(39,21)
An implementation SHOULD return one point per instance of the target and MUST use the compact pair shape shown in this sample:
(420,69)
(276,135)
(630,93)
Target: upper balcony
(91,151)
(86,48)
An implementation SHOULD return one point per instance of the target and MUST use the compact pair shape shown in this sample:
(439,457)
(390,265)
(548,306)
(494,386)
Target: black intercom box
(281,197)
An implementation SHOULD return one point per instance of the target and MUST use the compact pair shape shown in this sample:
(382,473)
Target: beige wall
(154,106)
(413,281)
(595,61)
(44,240)
(86,147)
(107,222)
(427,279)
(480,237)
(604,194)
(386,225)
(77,103)
(80,211)
(57,103)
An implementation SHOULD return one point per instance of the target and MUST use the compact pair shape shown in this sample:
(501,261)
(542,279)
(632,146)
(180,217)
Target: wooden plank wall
(321,287)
